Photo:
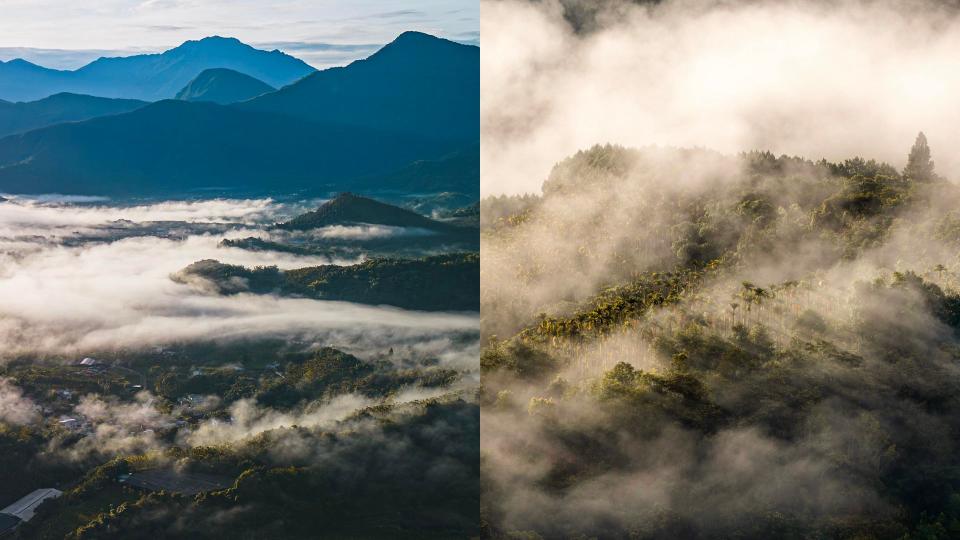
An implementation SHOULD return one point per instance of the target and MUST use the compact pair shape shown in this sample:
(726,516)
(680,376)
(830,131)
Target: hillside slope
(741,346)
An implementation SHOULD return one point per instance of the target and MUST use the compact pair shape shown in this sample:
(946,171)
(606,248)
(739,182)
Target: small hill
(348,208)
(223,86)
(439,283)
(59,108)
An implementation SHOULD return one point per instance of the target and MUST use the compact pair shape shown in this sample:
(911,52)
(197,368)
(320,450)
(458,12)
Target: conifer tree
(919,165)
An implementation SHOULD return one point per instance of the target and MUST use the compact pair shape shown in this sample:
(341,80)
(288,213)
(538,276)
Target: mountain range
(150,77)
(173,147)
(417,99)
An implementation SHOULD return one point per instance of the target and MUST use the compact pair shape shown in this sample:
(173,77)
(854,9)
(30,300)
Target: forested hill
(438,283)
(347,208)
(785,330)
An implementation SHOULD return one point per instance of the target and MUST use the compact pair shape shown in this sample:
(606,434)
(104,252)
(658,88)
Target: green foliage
(414,476)
(919,165)
(616,306)
(641,382)
(519,357)
(441,282)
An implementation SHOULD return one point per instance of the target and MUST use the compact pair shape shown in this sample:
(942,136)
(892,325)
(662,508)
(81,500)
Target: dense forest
(441,282)
(403,464)
(684,344)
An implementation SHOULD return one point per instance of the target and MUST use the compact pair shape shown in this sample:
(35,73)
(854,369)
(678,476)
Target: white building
(24,509)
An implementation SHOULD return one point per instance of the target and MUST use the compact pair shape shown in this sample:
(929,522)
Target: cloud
(166,27)
(400,13)
(118,293)
(15,408)
(802,78)
(323,55)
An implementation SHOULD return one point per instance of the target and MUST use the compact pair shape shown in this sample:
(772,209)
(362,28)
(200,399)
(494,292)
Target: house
(89,362)
(192,400)
(23,510)
(69,423)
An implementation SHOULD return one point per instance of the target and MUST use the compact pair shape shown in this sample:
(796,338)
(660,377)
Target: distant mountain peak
(22,63)
(418,84)
(412,35)
(414,40)
(220,42)
(216,38)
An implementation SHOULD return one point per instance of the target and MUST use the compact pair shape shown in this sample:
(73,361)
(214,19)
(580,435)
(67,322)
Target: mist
(116,294)
(815,79)
(687,333)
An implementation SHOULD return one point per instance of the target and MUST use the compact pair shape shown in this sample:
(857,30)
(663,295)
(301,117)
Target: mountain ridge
(434,89)
(152,76)
(176,146)
(63,107)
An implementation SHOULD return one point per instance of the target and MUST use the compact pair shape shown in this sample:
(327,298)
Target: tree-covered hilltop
(609,213)
(437,283)
(681,344)
(350,209)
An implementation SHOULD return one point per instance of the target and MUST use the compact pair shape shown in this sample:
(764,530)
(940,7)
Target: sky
(66,34)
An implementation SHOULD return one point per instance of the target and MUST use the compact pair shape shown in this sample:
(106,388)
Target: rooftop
(25,507)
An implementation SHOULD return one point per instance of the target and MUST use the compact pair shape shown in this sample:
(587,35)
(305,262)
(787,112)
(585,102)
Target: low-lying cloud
(114,294)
